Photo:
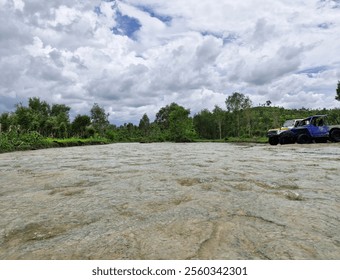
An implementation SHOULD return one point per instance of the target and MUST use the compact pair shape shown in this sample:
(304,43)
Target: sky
(135,56)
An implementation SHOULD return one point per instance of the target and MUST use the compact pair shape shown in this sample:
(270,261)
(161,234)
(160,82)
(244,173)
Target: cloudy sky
(136,56)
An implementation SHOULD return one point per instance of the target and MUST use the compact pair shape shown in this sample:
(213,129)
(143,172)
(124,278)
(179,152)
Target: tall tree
(41,107)
(205,125)
(219,115)
(23,118)
(99,118)
(6,120)
(174,123)
(180,125)
(238,101)
(235,103)
(60,110)
(61,119)
(144,125)
(337,97)
(79,125)
(39,112)
(163,116)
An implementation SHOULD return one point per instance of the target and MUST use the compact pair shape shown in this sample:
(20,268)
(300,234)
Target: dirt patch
(188,182)
(34,232)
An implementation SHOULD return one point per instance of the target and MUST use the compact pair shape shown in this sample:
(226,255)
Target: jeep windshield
(289,123)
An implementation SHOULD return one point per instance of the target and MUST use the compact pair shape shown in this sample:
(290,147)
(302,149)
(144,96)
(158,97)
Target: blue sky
(136,56)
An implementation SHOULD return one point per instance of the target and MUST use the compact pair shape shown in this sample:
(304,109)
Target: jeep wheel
(320,140)
(287,138)
(335,135)
(274,140)
(303,139)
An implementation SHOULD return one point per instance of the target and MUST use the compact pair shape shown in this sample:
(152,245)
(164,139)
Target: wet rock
(293,195)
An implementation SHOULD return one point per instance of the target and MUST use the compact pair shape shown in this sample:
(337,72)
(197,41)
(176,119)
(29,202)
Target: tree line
(238,119)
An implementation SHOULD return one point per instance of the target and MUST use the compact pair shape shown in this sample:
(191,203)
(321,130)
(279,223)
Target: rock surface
(171,201)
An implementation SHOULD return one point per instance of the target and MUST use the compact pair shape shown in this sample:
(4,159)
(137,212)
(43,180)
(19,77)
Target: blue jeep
(309,130)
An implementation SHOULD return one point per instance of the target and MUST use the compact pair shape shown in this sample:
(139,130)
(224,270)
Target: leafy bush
(13,140)
(5,145)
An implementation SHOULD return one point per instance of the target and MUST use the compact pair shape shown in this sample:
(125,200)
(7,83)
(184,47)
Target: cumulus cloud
(135,56)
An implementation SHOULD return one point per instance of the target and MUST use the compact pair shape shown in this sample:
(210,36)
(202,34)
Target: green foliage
(99,119)
(219,116)
(253,122)
(144,126)
(236,103)
(112,135)
(174,124)
(5,122)
(5,143)
(79,126)
(156,134)
(180,125)
(28,127)
(72,142)
(128,133)
(205,125)
(40,117)
(163,116)
(12,141)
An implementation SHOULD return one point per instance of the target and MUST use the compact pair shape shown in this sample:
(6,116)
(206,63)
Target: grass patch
(261,140)
(13,141)
(72,142)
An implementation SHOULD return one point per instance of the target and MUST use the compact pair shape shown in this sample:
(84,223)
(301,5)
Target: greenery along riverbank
(13,141)
(41,125)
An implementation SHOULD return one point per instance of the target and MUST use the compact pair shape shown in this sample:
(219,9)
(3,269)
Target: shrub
(13,140)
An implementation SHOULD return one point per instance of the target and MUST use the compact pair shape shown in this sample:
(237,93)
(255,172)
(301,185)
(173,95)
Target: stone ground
(171,201)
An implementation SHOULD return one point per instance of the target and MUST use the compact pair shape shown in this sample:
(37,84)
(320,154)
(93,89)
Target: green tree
(337,97)
(99,119)
(144,125)
(127,132)
(62,111)
(163,116)
(51,126)
(60,114)
(235,103)
(180,125)
(79,125)
(205,125)
(156,134)
(39,112)
(23,118)
(38,106)
(6,121)
(219,116)
(41,117)
(174,123)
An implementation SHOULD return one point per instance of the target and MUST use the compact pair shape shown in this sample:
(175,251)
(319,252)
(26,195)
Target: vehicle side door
(318,127)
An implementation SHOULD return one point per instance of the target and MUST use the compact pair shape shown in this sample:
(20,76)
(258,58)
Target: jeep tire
(304,139)
(273,140)
(335,135)
(287,138)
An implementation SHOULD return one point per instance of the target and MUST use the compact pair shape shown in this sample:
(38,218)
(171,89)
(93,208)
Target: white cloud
(19,4)
(156,52)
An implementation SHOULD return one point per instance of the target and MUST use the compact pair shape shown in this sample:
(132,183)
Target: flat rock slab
(171,201)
